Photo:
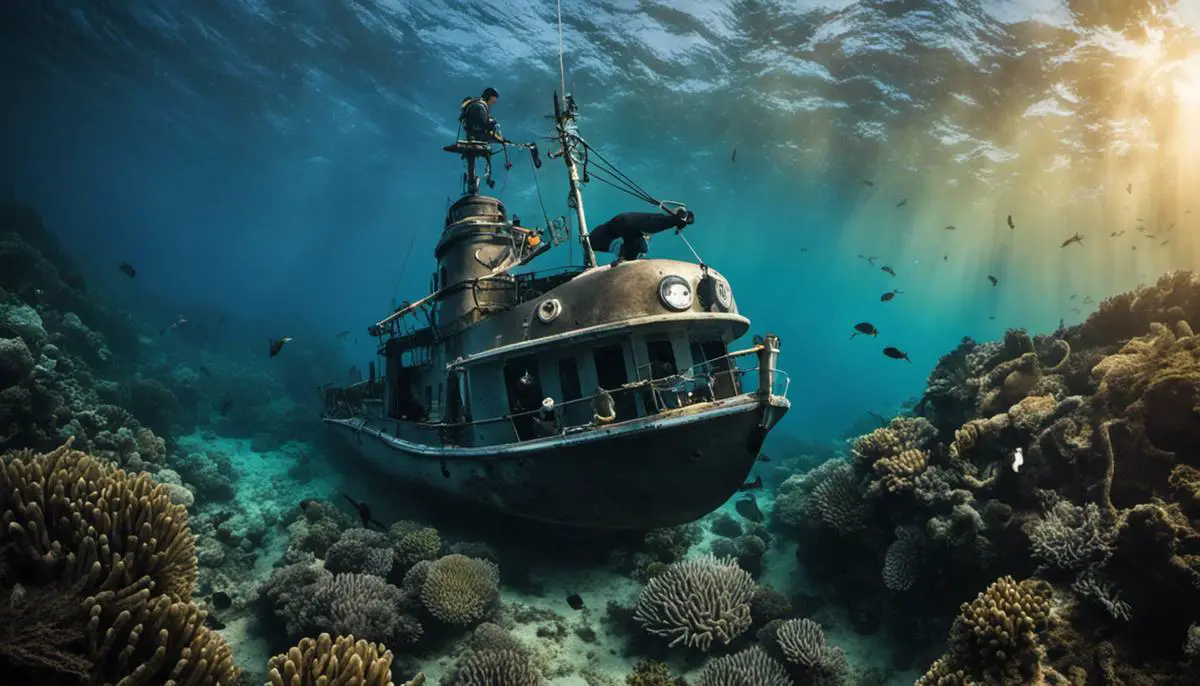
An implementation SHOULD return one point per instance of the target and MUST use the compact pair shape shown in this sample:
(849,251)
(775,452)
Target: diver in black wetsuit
(477,120)
(633,227)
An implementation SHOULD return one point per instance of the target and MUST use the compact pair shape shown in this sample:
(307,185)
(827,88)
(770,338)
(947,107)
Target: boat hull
(664,470)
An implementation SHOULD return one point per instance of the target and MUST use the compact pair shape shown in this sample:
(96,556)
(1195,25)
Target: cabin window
(524,387)
(439,398)
(453,400)
(712,354)
(428,398)
(568,376)
(611,375)
(662,358)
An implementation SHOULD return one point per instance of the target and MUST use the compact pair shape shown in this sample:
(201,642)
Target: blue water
(276,164)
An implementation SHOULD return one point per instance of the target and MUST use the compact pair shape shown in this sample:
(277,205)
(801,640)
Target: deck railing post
(768,354)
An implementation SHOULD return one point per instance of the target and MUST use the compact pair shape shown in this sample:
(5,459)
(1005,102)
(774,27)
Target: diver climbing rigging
(479,131)
(632,229)
(477,120)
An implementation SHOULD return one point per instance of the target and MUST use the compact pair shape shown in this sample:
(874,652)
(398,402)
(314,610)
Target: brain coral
(496,668)
(460,589)
(751,666)
(696,601)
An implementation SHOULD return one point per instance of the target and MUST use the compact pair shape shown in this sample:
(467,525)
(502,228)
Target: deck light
(675,292)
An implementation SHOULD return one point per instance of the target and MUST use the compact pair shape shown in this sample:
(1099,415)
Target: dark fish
(1129,189)
(205,370)
(1075,310)
(869,183)
(992,317)
(896,354)
(871,260)
(763,457)
(951,228)
(1077,238)
(1139,219)
(992,279)
(1171,227)
(173,325)
(889,295)
(128,269)
(902,203)
(574,600)
(1150,235)
(1011,225)
(945,258)
(364,513)
(748,508)
(277,345)
(1073,296)
(221,600)
(1187,211)
(1141,229)
(1134,248)
(211,621)
(888,270)
(803,249)
(866,328)
(751,485)
(306,502)
(226,405)
(1165,242)
(1088,300)
(732,158)
(1114,234)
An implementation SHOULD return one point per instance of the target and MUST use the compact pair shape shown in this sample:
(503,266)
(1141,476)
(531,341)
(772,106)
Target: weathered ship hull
(663,470)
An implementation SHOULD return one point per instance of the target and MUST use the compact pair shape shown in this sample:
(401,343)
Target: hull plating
(646,473)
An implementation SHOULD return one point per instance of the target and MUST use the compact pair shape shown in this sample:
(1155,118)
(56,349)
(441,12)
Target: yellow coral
(967,436)
(1143,362)
(460,589)
(1028,414)
(326,661)
(897,472)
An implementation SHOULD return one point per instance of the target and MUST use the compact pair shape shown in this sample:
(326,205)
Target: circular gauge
(549,310)
(675,292)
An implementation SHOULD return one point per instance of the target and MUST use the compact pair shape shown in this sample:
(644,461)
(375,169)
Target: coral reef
(324,660)
(751,666)
(697,601)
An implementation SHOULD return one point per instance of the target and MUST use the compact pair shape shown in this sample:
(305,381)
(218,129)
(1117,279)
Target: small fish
(205,370)
(226,405)
(951,228)
(1165,242)
(1077,238)
(869,183)
(902,203)
(211,621)
(364,513)
(1171,227)
(1129,189)
(128,269)
(888,270)
(1187,211)
(803,249)
(1114,234)
(1011,225)
(1075,310)
(889,295)
(173,325)
(992,317)
(1073,296)
(945,258)
(1139,219)
(751,485)
(76,281)
(1088,300)
(992,279)
(1134,248)
(574,600)
(1141,229)
(526,378)
(896,354)
(763,457)
(1149,235)
(277,345)
(865,328)
(748,508)
(221,600)
(871,260)
(732,158)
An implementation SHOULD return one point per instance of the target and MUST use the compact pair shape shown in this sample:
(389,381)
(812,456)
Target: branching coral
(326,661)
(751,666)
(837,501)
(802,642)
(495,668)
(459,589)
(1071,537)
(697,601)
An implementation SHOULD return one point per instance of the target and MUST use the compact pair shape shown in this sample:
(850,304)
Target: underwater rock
(23,322)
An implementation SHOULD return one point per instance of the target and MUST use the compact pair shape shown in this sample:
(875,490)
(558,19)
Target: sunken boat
(602,396)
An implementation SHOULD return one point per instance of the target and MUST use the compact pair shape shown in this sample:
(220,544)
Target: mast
(564,121)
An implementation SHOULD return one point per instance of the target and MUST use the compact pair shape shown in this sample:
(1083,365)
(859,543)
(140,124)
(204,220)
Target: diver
(632,228)
(481,128)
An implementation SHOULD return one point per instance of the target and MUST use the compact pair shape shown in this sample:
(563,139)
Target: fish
(1077,238)
(1075,310)
(732,158)
(76,281)
(526,378)
(1134,248)
(902,203)
(1139,219)
(992,279)
(1187,211)
(763,457)
(748,508)
(1088,300)
(1149,235)
(951,228)
(992,317)
(896,354)
(205,370)
(751,485)
(211,621)
(1141,229)
(364,513)
(128,269)
(226,405)
(889,295)
(865,328)
(173,325)
(575,601)
(1011,225)
(870,184)
(1165,242)
(888,270)
(803,249)
(1073,296)
(945,258)
(1129,189)
(1171,226)
(1114,234)
(221,600)
(306,502)
(871,260)
(277,345)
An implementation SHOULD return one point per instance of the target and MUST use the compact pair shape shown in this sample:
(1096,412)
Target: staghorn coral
(1071,537)
(1089,584)
(326,661)
(802,642)
(460,590)
(992,640)
(495,668)
(415,546)
(751,666)
(358,604)
(361,550)
(697,601)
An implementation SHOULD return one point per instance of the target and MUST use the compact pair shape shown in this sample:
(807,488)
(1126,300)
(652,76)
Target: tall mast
(564,120)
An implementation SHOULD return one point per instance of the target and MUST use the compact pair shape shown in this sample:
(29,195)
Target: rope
(562,73)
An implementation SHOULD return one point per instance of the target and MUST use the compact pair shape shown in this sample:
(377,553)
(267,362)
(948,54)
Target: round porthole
(724,295)
(549,310)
